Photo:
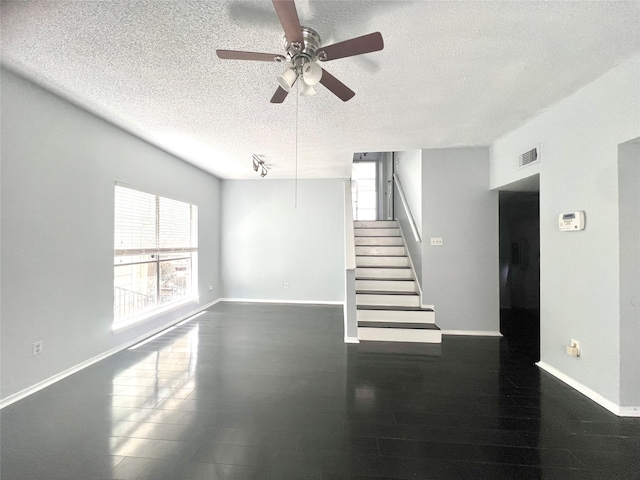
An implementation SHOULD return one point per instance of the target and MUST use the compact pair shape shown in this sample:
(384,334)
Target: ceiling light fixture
(311,73)
(258,164)
(307,90)
(287,78)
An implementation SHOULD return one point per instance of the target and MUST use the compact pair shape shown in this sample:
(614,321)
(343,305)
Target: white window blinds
(150,224)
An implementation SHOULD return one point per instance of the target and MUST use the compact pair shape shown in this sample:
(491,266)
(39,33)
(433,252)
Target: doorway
(520,269)
(372,186)
(363,190)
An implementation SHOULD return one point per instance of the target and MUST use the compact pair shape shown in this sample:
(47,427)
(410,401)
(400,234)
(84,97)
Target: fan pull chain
(295,201)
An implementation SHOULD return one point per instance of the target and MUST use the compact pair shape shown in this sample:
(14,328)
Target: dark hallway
(520,272)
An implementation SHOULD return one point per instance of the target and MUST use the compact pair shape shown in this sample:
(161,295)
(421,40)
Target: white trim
(128,324)
(299,302)
(629,411)
(475,333)
(351,340)
(5,402)
(587,392)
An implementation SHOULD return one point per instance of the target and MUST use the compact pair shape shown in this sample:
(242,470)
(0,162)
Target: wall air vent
(527,158)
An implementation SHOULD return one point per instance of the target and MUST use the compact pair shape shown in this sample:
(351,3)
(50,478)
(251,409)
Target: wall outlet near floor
(436,241)
(210,288)
(37,347)
(285,285)
(574,348)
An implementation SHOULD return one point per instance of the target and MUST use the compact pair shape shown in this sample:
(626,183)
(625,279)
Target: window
(155,254)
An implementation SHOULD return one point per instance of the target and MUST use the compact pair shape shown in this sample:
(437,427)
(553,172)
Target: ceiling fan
(303,51)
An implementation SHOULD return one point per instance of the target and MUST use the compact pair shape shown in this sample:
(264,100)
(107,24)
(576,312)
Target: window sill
(133,322)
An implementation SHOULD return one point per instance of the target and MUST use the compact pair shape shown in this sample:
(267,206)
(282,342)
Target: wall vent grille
(529,157)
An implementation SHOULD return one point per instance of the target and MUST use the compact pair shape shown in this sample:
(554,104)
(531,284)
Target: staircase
(387,298)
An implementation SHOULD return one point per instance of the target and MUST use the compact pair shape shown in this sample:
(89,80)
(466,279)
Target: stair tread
(403,325)
(383,292)
(380,279)
(395,307)
(387,266)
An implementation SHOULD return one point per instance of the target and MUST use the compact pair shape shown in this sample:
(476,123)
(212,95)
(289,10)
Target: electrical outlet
(574,348)
(285,285)
(210,288)
(37,347)
(436,241)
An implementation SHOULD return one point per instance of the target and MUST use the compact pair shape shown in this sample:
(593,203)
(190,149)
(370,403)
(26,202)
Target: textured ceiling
(451,73)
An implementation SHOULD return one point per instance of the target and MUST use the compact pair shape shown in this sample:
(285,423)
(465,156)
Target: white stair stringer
(387,298)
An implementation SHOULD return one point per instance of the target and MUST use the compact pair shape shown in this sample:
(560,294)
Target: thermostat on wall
(571,221)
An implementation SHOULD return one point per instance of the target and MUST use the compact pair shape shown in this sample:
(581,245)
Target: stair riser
(376,232)
(382,262)
(388,300)
(386,286)
(375,224)
(360,250)
(379,241)
(396,316)
(386,273)
(399,335)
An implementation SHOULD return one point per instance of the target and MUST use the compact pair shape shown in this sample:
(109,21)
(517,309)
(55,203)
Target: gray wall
(268,241)
(629,201)
(414,247)
(59,165)
(579,271)
(408,169)
(460,278)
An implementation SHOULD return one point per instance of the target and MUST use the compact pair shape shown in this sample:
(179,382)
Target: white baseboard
(297,302)
(351,340)
(76,368)
(629,411)
(475,333)
(587,392)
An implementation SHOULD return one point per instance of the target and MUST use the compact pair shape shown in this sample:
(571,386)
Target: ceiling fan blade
(237,55)
(356,46)
(288,15)
(338,88)
(279,96)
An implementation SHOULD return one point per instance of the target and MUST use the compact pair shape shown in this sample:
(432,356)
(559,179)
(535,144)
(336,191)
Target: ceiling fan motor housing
(299,55)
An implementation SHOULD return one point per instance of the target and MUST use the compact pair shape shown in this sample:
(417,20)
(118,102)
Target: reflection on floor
(250,391)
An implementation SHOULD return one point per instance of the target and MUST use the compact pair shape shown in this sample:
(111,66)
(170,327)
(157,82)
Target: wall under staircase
(387,298)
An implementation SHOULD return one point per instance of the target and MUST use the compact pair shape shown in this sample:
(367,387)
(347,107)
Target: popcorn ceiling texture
(451,73)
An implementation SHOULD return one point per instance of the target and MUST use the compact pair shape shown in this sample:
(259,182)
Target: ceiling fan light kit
(303,51)
(307,90)
(287,78)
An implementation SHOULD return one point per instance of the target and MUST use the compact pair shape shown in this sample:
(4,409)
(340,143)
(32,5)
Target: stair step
(388,273)
(404,309)
(375,224)
(390,332)
(388,299)
(397,314)
(376,232)
(379,261)
(386,285)
(381,250)
(407,325)
(379,241)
